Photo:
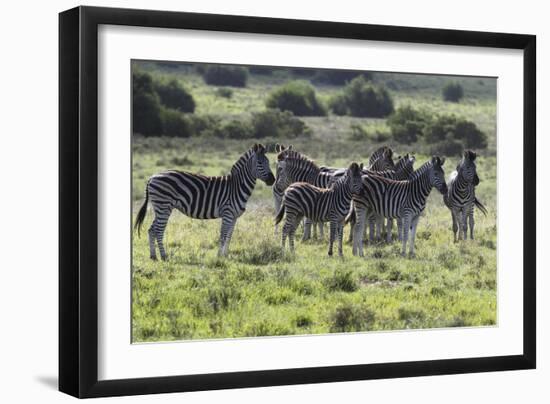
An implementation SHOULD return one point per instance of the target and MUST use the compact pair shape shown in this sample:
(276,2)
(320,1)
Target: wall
(28,289)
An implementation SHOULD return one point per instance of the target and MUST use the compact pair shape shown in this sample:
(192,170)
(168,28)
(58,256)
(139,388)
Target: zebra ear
(442,161)
(361,166)
(474,155)
(289,147)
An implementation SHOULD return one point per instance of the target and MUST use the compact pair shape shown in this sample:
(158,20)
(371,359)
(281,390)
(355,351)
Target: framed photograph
(251,201)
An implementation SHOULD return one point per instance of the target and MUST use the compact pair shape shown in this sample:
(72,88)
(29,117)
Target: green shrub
(447,147)
(224,92)
(351,317)
(339,77)
(174,123)
(469,133)
(173,95)
(236,129)
(276,123)
(339,105)
(297,97)
(145,105)
(360,133)
(343,280)
(364,99)
(218,75)
(441,128)
(453,92)
(408,124)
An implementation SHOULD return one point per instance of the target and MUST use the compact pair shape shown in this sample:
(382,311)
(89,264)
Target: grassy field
(257,290)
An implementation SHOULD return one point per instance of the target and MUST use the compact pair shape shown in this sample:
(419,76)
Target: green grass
(259,290)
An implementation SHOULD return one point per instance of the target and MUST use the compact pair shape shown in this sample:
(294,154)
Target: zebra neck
(460,183)
(242,179)
(421,181)
(321,180)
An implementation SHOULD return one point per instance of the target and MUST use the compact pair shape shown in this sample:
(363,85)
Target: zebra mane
(294,157)
(242,161)
(378,153)
(421,170)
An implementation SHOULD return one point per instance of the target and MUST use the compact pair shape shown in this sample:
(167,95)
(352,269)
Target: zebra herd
(376,194)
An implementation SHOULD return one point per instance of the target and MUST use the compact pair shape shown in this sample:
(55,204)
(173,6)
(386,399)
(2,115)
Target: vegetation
(453,92)
(297,97)
(363,99)
(173,95)
(220,75)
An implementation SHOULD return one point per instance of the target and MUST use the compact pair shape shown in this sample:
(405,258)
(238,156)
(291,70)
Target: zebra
(292,166)
(398,199)
(320,204)
(381,159)
(400,171)
(460,197)
(404,168)
(202,197)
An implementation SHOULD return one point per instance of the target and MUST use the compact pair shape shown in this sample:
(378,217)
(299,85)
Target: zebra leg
(152,247)
(277,201)
(292,232)
(412,237)
(463,225)
(406,227)
(471,221)
(228,225)
(333,234)
(454,215)
(399,229)
(361,215)
(307,229)
(389,228)
(372,221)
(340,238)
(162,213)
(321,230)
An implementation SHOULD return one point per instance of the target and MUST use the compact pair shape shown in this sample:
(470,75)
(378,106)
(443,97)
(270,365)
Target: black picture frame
(78,201)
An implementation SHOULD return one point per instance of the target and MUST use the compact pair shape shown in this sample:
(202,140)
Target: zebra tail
(142,211)
(280,214)
(480,206)
(350,217)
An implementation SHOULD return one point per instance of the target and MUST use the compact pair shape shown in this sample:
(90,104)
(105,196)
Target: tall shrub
(297,97)
(173,95)
(453,92)
(145,105)
(218,75)
(363,99)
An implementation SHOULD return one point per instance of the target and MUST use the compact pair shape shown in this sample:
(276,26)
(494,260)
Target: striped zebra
(402,170)
(381,159)
(398,199)
(460,197)
(303,199)
(202,197)
(292,166)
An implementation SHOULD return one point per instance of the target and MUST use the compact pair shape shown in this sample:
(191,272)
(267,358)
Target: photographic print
(280,201)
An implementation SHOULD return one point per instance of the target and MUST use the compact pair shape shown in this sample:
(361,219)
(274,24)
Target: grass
(259,290)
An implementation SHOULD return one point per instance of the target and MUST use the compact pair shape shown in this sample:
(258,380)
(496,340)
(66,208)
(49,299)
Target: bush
(234,76)
(448,147)
(469,133)
(447,127)
(453,92)
(145,105)
(235,129)
(363,99)
(351,317)
(297,97)
(174,123)
(224,92)
(276,123)
(339,77)
(408,124)
(343,280)
(338,104)
(173,95)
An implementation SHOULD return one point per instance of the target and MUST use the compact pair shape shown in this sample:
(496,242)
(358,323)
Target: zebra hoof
(153,257)
(330,253)
(164,259)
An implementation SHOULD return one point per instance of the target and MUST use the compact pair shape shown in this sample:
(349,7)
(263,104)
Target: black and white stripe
(202,197)
(321,205)
(460,197)
(398,199)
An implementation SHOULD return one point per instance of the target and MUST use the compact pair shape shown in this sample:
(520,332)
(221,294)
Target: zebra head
(467,167)
(437,175)
(404,166)
(384,161)
(260,165)
(353,175)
